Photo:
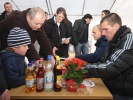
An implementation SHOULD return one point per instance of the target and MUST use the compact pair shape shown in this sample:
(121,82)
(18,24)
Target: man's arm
(74,39)
(44,43)
(96,56)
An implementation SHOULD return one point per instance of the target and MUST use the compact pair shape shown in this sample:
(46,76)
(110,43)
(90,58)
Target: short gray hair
(97,27)
(33,11)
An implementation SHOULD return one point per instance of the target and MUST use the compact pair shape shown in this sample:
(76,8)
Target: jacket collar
(123,30)
(100,40)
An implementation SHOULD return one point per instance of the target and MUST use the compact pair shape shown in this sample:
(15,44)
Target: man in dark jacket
(80,34)
(8,10)
(30,20)
(100,46)
(116,69)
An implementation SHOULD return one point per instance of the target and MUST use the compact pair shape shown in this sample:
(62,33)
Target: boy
(13,57)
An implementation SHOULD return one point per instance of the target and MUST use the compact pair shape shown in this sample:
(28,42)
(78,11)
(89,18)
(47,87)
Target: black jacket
(117,69)
(78,30)
(51,29)
(2,16)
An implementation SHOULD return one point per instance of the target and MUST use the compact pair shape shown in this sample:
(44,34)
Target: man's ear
(117,26)
(28,18)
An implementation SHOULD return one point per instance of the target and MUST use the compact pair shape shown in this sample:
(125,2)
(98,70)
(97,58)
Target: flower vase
(71,86)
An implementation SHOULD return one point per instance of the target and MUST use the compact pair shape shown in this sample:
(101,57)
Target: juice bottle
(29,84)
(57,75)
(40,78)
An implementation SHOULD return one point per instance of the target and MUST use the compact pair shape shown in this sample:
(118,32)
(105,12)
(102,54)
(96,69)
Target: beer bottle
(57,75)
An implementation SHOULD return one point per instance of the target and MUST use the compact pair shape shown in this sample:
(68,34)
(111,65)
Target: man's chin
(35,29)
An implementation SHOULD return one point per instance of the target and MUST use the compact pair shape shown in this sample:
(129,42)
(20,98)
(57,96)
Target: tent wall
(124,8)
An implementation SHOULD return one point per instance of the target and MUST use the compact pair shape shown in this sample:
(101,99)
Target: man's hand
(70,58)
(66,41)
(5,95)
(54,50)
(53,61)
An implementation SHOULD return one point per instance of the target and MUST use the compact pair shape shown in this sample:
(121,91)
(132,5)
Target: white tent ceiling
(77,8)
(73,7)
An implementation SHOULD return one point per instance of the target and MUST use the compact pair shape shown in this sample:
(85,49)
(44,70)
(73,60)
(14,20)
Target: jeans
(81,49)
(120,97)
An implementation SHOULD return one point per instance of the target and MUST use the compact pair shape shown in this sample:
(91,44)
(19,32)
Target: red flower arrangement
(74,70)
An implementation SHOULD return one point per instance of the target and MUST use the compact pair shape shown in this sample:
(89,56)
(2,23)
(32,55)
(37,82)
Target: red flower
(70,81)
(74,70)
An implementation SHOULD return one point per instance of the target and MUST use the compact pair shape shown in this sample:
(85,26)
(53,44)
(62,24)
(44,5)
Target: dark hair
(106,12)
(112,19)
(46,12)
(88,16)
(7,3)
(63,11)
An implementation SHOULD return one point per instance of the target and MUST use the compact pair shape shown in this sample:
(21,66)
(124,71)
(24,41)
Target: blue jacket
(14,68)
(96,56)
(3,85)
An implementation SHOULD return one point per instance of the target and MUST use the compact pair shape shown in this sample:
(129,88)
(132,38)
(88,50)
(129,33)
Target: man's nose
(39,26)
(103,32)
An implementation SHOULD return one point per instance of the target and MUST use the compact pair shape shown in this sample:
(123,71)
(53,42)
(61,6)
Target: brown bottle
(40,78)
(57,75)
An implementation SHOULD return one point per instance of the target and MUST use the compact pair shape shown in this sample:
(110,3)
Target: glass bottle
(29,79)
(49,75)
(40,78)
(57,75)
(34,70)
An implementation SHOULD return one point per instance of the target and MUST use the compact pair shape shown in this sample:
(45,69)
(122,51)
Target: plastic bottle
(40,78)
(34,70)
(29,79)
(57,75)
(49,75)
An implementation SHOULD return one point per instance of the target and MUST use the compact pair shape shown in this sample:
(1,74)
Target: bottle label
(39,83)
(58,82)
(30,83)
(49,80)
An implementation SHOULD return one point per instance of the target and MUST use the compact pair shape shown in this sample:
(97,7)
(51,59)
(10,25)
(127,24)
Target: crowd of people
(111,61)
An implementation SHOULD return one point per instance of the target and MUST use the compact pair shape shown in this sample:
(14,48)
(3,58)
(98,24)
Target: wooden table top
(100,92)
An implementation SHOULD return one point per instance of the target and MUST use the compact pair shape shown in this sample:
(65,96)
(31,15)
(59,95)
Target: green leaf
(84,71)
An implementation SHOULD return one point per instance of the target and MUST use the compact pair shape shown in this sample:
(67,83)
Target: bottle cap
(30,64)
(57,57)
(32,61)
(49,57)
(82,86)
